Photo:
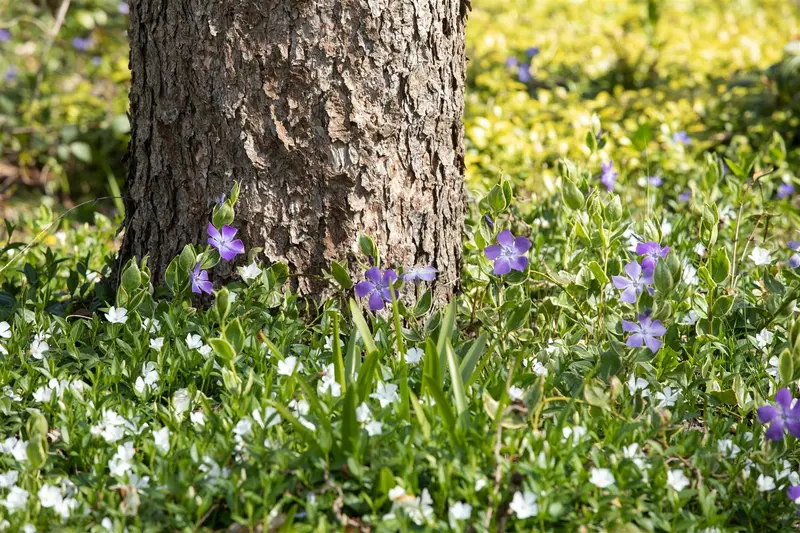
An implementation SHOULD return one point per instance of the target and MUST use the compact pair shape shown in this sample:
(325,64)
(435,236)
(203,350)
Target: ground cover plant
(623,356)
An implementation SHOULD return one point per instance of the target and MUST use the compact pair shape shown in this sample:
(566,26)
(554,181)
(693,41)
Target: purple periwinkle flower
(424,273)
(794,261)
(10,74)
(97,60)
(638,279)
(681,137)
(793,493)
(524,73)
(609,176)
(509,253)
(82,44)
(200,282)
(489,221)
(785,191)
(5,35)
(787,415)
(224,241)
(533,51)
(377,287)
(685,196)
(655,181)
(644,333)
(652,252)
(124,8)
(512,61)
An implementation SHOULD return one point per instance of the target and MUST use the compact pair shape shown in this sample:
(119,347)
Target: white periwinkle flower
(524,505)
(601,477)
(760,256)
(117,315)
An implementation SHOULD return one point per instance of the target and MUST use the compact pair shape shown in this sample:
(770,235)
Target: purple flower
(635,283)
(509,253)
(785,190)
(228,247)
(524,73)
(681,137)
(609,176)
(794,261)
(793,493)
(651,251)
(10,74)
(124,8)
(5,35)
(489,221)
(685,196)
(377,287)
(655,181)
(644,333)
(200,281)
(97,60)
(533,51)
(425,273)
(785,415)
(82,44)
(512,61)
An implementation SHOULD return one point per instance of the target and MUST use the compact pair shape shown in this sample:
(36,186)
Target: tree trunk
(336,117)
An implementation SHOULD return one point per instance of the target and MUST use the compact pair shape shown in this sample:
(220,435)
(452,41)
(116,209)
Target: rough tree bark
(336,117)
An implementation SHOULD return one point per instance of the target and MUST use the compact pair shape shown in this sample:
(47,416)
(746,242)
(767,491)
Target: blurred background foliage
(727,73)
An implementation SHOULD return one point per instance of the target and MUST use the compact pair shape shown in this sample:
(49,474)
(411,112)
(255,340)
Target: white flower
(120,464)
(151,325)
(43,394)
(690,274)
(28,528)
(774,366)
(787,469)
(699,249)
(9,479)
(111,428)
(16,447)
(689,319)
(524,505)
(148,379)
(204,350)
(677,480)
(5,330)
(576,432)
(373,428)
(764,338)
(727,448)
(157,343)
(193,342)
(414,355)
(212,470)
(515,393)
(92,276)
(638,384)
(460,511)
(249,272)
(760,256)
(601,477)
(270,418)
(328,382)
(161,438)
(632,452)
(765,483)
(15,500)
(107,524)
(539,369)
(299,407)
(385,393)
(117,315)
(51,497)
(38,348)
(181,402)
(198,418)
(329,343)
(363,413)
(794,478)
(480,483)
(666,398)
(288,366)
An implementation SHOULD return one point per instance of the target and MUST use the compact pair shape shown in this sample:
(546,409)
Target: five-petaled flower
(200,282)
(509,253)
(794,261)
(377,287)
(787,415)
(793,492)
(644,333)
(224,241)
(652,252)
(681,137)
(423,273)
(785,190)
(632,286)
(609,176)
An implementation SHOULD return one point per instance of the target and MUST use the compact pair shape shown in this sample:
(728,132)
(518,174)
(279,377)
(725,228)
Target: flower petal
(374,275)
(793,492)
(652,343)
(376,301)
(657,329)
(519,263)
(633,270)
(522,245)
(635,341)
(793,426)
(767,413)
(630,326)
(364,288)
(506,239)
(228,232)
(502,266)
(784,398)
(775,431)
(492,251)
(629,295)
(389,277)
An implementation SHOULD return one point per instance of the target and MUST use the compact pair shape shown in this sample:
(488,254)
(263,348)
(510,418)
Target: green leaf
(722,305)
(455,380)
(471,358)
(362,327)
(131,277)
(595,394)
(235,335)
(443,406)
(352,360)
(420,414)
(223,303)
(338,362)
(350,426)
(341,276)
(367,247)
(82,151)
(223,349)
(786,367)
(572,196)
(497,199)
(423,305)
(720,266)
(519,316)
(445,333)
(366,375)
(663,278)
(598,272)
